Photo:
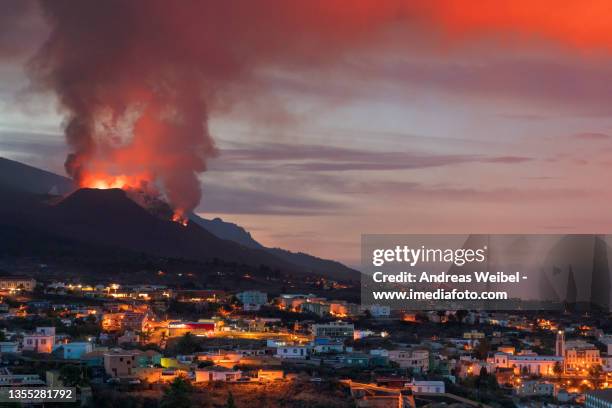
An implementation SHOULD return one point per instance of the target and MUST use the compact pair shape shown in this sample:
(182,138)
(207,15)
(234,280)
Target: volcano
(110,218)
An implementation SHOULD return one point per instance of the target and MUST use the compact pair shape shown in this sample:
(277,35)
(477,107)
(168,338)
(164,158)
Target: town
(136,344)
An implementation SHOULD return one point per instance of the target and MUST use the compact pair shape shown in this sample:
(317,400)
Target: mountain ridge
(72,217)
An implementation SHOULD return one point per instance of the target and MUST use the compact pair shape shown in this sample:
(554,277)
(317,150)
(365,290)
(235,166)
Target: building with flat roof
(333,330)
(531,364)
(598,399)
(77,349)
(120,363)
(41,341)
(252,297)
(201,327)
(415,359)
(16,283)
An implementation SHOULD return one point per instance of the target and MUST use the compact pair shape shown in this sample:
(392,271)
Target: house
(427,387)
(270,375)
(415,359)
(341,308)
(204,326)
(534,388)
(119,363)
(327,345)
(532,364)
(293,301)
(293,352)
(9,347)
(355,360)
(76,350)
(252,297)
(8,379)
(216,373)
(135,321)
(319,308)
(16,283)
(579,354)
(337,329)
(42,341)
(379,311)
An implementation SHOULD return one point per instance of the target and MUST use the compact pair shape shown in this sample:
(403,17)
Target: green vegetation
(177,395)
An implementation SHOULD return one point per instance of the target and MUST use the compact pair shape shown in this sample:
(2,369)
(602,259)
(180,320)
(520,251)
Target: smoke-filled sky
(320,121)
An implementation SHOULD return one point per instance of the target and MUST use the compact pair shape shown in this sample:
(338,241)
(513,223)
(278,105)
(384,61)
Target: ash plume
(137,79)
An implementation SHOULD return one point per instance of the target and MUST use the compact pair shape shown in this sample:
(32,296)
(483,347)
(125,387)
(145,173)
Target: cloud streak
(329,158)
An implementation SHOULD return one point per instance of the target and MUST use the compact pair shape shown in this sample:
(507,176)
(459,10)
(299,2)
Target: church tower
(560,344)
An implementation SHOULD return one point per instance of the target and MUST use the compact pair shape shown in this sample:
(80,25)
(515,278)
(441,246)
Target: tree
(483,349)
(461,314)
(595,370)
(177,394)
(558,369)
(187,344)
(71,375)
(230,401)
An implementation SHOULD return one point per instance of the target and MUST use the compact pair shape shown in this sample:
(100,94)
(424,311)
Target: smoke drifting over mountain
(137,80)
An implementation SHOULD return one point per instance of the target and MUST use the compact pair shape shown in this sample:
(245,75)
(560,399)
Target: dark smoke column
(133,97)
(137,79)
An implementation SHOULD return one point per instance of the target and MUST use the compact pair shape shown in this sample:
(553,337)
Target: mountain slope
(22,177)
(313,264)
(109,217)
(227,230)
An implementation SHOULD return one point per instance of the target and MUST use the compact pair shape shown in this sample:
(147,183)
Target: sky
(501,127)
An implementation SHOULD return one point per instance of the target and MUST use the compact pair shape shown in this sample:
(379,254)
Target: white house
(379,310)
(427,387)
(292,352)
(216,373)
(41,341)
(533,364)
(416,359)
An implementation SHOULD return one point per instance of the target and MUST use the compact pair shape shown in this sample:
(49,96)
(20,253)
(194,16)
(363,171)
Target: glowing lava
(141,184)
(103,181)
(179,216)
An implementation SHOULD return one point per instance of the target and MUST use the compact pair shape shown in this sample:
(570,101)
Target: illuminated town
(117,341)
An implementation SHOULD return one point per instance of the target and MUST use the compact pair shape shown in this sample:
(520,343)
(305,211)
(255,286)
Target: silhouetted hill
(313,264)
(111,218)
(227,230)
(30,179)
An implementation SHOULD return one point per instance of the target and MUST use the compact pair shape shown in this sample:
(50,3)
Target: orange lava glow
(141,182)
(179,217)
(103,181)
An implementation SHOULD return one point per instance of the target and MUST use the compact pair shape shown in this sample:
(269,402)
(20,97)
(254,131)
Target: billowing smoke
(137,79)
